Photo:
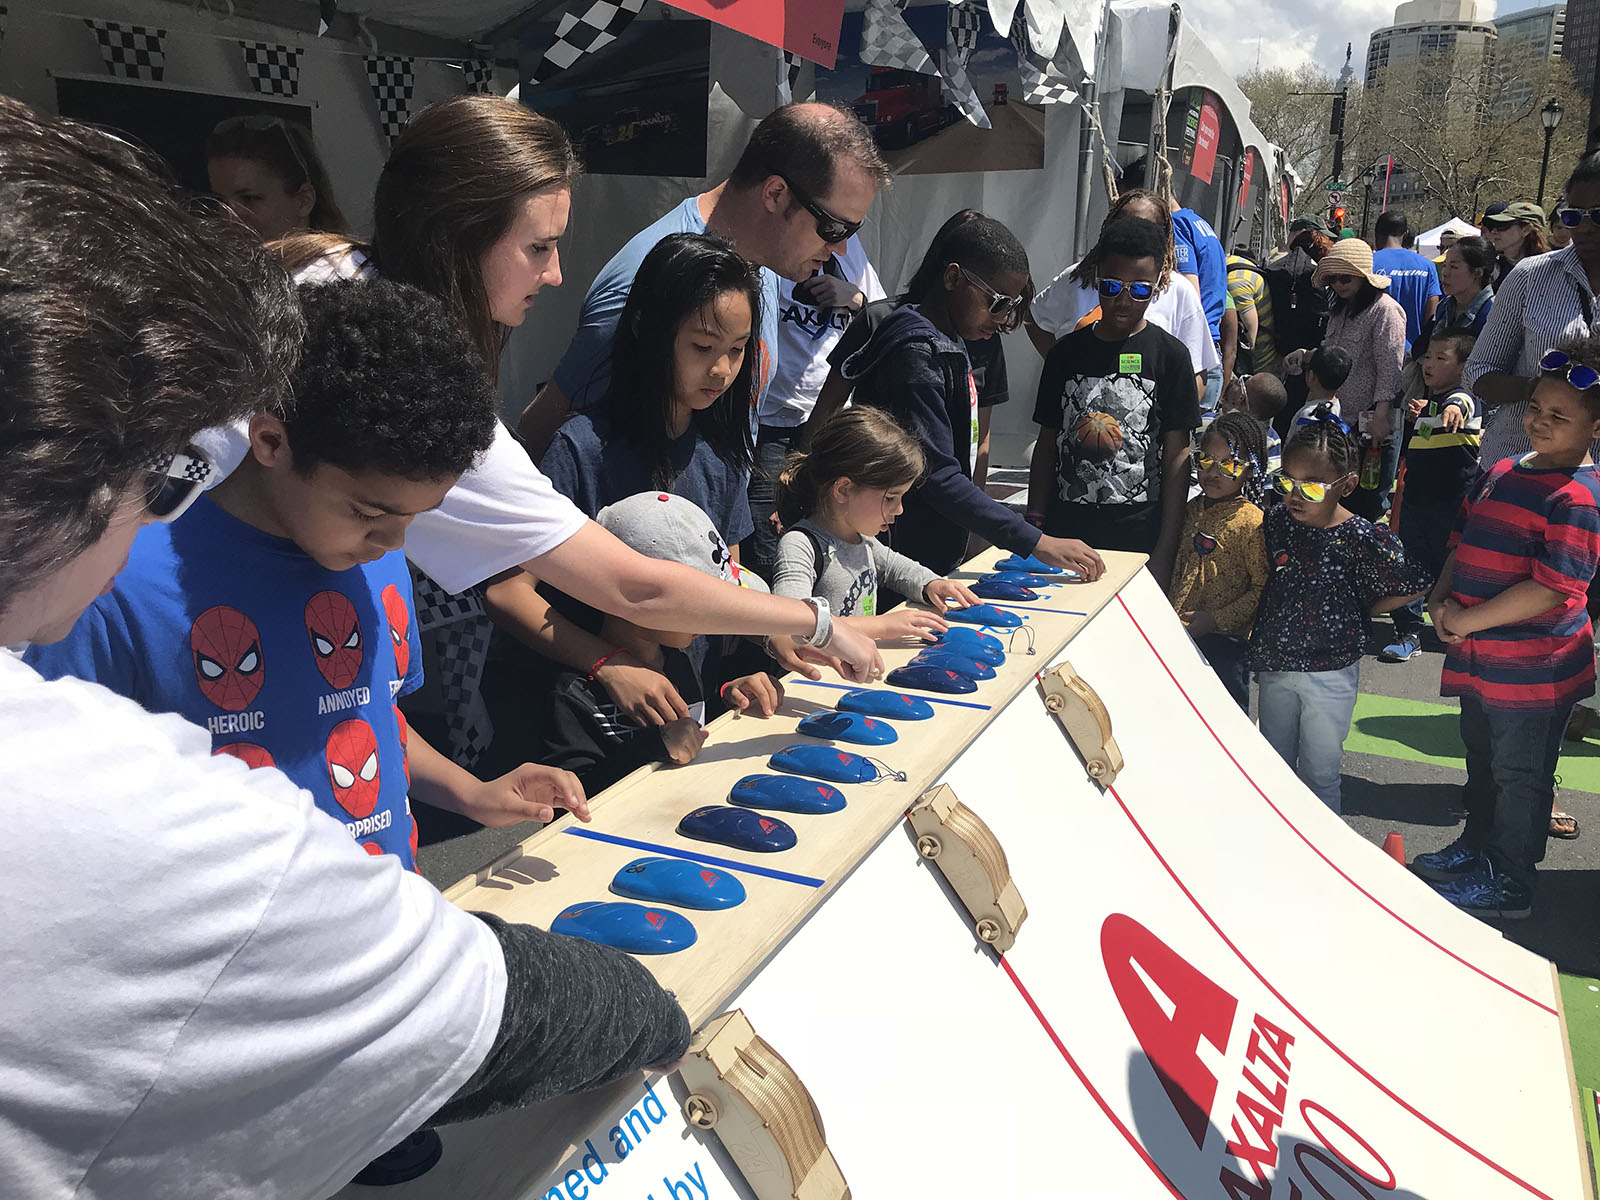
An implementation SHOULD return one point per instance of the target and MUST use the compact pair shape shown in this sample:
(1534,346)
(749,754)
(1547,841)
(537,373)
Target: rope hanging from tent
(1159,175)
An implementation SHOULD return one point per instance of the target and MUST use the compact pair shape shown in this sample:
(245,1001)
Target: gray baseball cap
(661,525)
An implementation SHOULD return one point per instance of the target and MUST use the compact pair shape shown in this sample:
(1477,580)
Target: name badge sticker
(1130,364)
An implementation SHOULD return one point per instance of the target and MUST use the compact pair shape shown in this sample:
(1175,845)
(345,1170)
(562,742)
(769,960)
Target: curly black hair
(1246,438)
(388,382)
(1327,435)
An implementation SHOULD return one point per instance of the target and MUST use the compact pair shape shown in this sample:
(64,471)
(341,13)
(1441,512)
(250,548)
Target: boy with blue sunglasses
(1117,404)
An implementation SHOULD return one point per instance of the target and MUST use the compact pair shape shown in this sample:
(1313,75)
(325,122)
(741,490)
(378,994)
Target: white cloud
(1286,33)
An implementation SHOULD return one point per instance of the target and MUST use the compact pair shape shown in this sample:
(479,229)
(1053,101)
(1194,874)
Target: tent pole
(1086,141)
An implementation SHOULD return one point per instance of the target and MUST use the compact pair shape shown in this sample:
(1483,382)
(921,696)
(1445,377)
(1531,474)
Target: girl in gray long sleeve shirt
(833,503)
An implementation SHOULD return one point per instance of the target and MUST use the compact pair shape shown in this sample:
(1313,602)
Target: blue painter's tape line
(1028,608)
(676,852)
(856,687)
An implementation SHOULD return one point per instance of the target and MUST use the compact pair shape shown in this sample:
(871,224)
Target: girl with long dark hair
(676,415)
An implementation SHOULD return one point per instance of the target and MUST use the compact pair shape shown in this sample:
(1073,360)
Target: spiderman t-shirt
(285,662)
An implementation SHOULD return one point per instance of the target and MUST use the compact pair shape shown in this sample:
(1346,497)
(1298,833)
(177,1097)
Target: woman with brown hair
(267,171)
(1516,232)
(469,208)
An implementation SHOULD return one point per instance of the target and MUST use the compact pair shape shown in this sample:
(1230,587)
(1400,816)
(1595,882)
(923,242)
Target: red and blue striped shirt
(1521,523)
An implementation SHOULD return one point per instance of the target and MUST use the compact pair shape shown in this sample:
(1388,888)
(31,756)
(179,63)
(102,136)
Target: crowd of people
(255,477)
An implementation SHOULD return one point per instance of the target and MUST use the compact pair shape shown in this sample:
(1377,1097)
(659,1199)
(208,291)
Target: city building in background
(1444,34)
(1531,36)
(1582,40)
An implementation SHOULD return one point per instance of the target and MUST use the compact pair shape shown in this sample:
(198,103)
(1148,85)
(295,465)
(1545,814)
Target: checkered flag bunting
(392,81)
(788,76)
(596,26)
(1042,80)
(960,38)
(478,74)
(887,41)
(964,25)
(273,70)
(131,51)
(461,630)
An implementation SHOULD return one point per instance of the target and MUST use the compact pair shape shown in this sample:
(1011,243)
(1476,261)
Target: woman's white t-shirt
(501,514)
(1063,304)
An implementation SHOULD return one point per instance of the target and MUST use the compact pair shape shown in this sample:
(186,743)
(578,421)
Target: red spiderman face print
(353,767)
(399,616)
(248,753)
(335,637)
(227,657)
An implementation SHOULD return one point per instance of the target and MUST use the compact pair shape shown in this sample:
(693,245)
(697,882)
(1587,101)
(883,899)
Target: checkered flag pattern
(963,30)
(460,631)
(1042,80)
(478,74)
(960,38)
(887,41)
(131,51)
(392,81)
(586,27)
(273,70)
(788,76)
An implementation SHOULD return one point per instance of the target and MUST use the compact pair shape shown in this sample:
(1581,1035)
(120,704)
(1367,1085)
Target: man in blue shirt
(801,189)
(1202,261)
(1412,279)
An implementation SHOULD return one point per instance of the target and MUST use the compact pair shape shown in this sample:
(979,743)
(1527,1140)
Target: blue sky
(1285,33)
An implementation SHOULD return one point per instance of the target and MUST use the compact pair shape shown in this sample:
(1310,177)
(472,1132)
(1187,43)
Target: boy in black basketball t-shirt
(1116,408)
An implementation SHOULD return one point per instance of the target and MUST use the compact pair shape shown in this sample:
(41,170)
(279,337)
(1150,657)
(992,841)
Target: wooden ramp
(1218,989)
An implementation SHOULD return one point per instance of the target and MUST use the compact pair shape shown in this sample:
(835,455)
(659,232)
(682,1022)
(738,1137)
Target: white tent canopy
(1428,243)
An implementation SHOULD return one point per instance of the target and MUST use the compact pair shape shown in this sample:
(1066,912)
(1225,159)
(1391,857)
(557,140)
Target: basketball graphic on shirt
(226,648)
(398,615)
(1099,436)
(353,767)
(335,637)
(250,754)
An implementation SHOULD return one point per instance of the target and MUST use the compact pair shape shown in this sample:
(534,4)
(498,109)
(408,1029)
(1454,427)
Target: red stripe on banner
(1309,843)
(1127,1134)
(1301,1017)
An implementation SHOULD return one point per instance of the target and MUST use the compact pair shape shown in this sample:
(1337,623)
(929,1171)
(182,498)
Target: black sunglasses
(829,227)
(999,303)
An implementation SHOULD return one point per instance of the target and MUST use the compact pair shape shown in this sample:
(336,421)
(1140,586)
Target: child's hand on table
(907,622)
(532,792)
(683,739)
(942,590)
(757,695)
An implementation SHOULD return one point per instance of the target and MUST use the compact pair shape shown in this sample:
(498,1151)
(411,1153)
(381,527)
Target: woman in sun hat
(1371,325)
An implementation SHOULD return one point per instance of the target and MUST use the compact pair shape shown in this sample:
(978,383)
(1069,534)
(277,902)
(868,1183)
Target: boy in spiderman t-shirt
(276,612)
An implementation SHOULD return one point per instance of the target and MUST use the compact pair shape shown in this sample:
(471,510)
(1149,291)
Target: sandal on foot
(1563,825)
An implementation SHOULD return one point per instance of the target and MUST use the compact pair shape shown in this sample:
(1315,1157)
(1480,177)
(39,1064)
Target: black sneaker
(1483,893)
(1445,866)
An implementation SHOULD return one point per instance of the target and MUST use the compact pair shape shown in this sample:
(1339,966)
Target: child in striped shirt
(1509,604)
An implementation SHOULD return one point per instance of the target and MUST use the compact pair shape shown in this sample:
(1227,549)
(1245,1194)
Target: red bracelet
(722,692)
(604,659)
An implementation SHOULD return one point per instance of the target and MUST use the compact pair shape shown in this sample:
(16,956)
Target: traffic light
(1336,218)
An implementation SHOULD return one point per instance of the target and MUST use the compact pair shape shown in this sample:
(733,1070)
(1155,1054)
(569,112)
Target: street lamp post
(1550,114)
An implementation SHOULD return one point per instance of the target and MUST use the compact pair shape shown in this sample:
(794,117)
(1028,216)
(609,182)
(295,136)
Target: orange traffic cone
(1395,847)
